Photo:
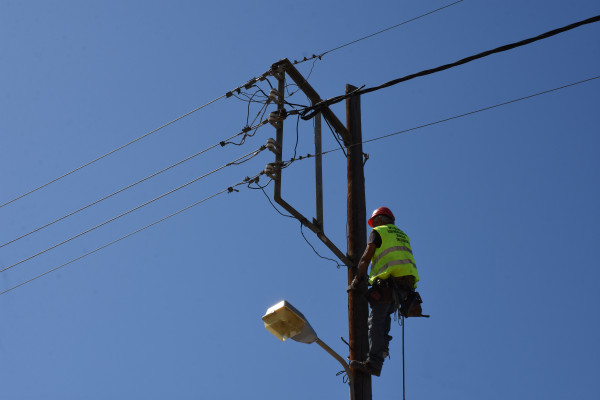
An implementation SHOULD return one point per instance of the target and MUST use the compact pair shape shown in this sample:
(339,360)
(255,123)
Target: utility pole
(358,309)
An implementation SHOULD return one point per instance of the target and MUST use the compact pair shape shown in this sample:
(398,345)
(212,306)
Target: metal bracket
(279,70)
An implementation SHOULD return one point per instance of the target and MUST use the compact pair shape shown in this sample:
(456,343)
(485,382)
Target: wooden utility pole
(358,309)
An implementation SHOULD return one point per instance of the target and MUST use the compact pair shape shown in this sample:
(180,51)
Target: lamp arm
(337,357)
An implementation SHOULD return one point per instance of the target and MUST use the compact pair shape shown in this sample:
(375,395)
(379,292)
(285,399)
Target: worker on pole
(393,279)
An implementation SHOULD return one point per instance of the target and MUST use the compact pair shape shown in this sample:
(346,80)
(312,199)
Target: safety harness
(406,301)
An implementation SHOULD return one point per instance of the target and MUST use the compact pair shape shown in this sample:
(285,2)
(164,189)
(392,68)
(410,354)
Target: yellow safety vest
(394,257)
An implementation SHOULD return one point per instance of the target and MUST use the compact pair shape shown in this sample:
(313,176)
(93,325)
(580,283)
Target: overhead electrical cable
(238,161)
(311,111)
(108,154)
(447,119)
(230,189)
(319,56)
(289,162)
(249,84)
(221,143)
(255,178)
(482,109)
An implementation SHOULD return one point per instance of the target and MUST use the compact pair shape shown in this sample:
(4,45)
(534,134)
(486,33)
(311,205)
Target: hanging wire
(335,136)
(245,157)
(230,189)
(403,369)
(257,185)
(248,99)
(319,56)
(248,129)
(297,135)
(265,104)
(316,252)
(273,205)
(262,110)
(222,143)
(343,374)
(287,86)
(301,225)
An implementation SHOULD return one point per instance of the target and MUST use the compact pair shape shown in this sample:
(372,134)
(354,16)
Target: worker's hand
(353,285)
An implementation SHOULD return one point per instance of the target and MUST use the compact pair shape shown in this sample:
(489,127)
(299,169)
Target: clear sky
(502,206)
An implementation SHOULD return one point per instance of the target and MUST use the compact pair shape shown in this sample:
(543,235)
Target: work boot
(366,367)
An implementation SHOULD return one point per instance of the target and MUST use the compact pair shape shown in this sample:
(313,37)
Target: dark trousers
(380,318)
(380,321)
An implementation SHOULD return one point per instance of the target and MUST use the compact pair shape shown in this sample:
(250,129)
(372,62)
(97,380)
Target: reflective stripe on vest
(394,257)
(390,250)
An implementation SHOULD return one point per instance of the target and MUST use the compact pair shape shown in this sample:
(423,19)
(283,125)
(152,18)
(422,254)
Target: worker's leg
(386,336)
(379,327)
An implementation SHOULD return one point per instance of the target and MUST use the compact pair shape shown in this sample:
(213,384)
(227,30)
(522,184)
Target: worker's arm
(363,265)
(365,260)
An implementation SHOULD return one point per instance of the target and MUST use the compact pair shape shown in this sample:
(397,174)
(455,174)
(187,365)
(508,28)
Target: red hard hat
(380,211)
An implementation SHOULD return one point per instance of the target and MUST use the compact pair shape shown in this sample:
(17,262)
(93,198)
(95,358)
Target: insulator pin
(273,146)
(272,171)
(277,117)
(274,96)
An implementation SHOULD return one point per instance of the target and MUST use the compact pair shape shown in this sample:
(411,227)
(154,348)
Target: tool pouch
(411,307)
(373,295)
(380,292)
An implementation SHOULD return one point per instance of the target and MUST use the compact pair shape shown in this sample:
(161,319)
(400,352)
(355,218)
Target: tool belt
(382,289)
(399,290)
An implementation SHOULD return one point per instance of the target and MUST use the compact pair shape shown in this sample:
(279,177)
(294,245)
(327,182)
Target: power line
(247,85)
(319,56)
(230,189)
(311,111)
(108,154)
(482,109)
(221,143)
(245,181)
(246,157)
(287,163)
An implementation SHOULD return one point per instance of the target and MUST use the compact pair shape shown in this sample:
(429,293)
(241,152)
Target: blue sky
(501,206)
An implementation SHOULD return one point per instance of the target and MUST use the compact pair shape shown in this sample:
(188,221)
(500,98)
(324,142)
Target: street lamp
(285,322)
